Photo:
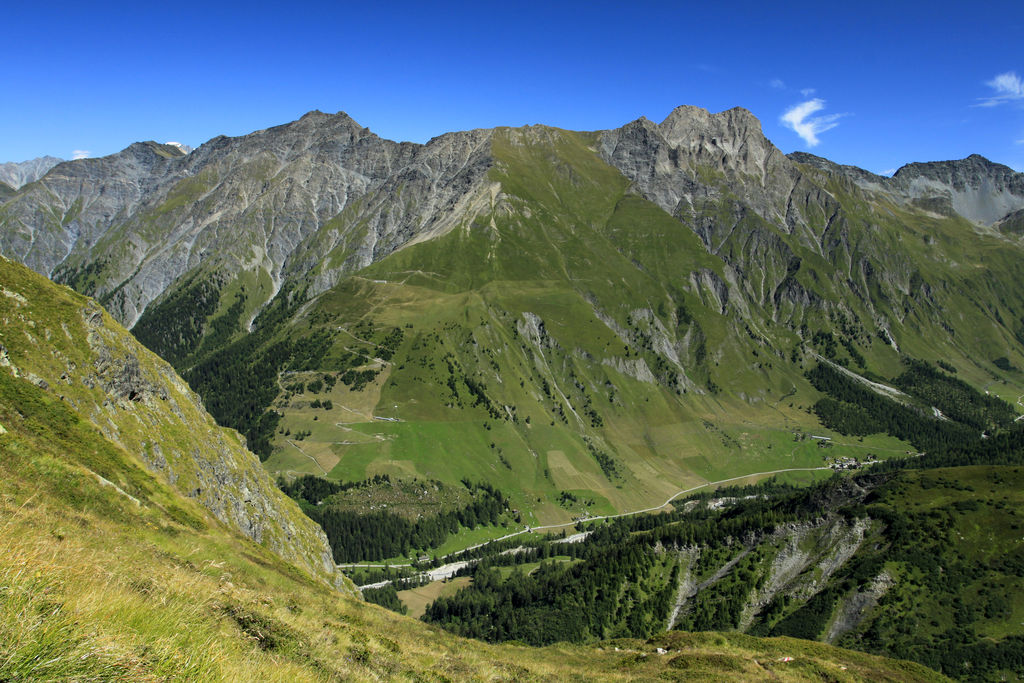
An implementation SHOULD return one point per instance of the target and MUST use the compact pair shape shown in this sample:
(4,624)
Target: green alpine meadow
(658,402)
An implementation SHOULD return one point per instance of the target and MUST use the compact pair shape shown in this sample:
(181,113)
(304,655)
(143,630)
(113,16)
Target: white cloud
(798,117)
(777,83)
(807,92)
(1009,88)
(80,154)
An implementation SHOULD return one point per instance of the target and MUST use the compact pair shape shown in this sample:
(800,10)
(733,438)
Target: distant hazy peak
(19,173)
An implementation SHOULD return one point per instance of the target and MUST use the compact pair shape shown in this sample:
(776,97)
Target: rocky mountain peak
(980,190)
(683,160)
(313,132)
(265,197)
(730,141)
(149,148)
(319,119)
(727,129)
(814,160)
(137,160)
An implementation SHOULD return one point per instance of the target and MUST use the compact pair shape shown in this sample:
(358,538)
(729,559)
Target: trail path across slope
(317,462)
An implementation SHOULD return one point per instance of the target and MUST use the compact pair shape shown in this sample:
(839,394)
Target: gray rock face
(693,156)
(20,173)
(78,201)
(1012,223)
(207,462)
(862,178)
(856,607)
(749,203)
(417,192)
(757,209)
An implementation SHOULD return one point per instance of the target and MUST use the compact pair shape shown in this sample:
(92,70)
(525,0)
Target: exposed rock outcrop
(856,607)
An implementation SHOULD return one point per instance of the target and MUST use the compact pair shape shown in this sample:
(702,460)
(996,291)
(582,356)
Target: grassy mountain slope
(503,343)
(111,569)
(575,337)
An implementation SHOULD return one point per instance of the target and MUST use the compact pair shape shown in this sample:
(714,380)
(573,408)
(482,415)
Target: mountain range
(623,312)
(573,324)
(326,174)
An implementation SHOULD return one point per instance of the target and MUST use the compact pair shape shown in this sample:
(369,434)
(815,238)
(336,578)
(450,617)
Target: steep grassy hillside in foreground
(109,572)
(68,346)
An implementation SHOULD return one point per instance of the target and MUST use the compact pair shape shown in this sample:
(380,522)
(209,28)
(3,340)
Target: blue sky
(874,84)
